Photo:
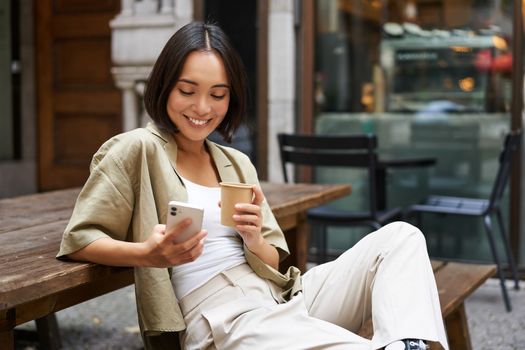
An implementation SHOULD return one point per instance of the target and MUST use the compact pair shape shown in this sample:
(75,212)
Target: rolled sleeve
(103,208)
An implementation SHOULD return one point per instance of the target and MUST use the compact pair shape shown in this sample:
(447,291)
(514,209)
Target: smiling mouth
(197,122)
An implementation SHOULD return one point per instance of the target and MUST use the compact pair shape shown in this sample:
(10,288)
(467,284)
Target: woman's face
(199,101)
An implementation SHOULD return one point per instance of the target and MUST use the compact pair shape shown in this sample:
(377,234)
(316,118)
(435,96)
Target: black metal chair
(354,151)
(484,208)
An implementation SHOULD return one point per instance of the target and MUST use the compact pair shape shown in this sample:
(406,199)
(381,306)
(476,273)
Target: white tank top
(223,247)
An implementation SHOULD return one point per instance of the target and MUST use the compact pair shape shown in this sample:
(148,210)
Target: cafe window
(431,78)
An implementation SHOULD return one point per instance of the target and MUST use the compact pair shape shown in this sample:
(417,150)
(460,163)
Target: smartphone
(177,212)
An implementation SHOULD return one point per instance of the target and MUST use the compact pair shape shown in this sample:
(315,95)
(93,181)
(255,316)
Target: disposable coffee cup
(231,194)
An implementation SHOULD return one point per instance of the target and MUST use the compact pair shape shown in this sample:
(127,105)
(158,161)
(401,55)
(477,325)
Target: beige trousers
(386,275)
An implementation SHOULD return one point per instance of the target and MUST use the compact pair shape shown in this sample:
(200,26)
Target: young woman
(221,288)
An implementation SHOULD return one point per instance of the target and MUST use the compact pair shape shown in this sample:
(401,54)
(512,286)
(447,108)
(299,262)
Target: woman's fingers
(247,208)
(191,250)
(168,253)
(191,242)
(247,219)
(248,216)
(170,233)
(247,229)
(259,196)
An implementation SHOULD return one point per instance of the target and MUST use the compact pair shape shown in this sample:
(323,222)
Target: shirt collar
(224,164)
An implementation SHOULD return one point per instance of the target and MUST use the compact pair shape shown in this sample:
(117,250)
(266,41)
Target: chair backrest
(510,146)
(355,151)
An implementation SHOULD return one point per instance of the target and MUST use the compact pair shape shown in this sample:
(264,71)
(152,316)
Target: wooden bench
(455,282)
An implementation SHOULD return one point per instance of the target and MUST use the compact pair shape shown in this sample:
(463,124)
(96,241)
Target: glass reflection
(431,79)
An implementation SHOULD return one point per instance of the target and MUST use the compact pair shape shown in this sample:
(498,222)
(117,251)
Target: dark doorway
(238,20)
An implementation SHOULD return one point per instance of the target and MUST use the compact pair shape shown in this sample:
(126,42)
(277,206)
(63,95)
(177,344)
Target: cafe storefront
(430,79)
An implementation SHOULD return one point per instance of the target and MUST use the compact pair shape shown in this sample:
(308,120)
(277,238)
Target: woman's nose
(202,106)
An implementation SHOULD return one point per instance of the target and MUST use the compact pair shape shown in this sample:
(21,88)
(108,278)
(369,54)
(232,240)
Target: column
(130,113)
(281,80)
(126,7)
(166,6)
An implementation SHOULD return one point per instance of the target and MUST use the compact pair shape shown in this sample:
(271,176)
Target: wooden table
(289,204)
(33,284)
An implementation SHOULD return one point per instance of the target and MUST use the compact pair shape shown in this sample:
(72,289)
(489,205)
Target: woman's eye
(218,97)
(185,93)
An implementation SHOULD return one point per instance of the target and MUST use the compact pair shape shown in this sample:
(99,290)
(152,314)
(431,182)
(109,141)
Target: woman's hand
(161,251)
(249,225)
(248,217)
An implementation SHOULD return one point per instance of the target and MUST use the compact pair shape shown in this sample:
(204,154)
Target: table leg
(297,238)
(48,332)
(7,324)
(457,329)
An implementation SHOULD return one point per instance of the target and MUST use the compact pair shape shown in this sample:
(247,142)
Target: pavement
(110,322)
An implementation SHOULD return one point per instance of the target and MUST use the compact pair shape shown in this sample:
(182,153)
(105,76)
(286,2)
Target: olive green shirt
(132,178)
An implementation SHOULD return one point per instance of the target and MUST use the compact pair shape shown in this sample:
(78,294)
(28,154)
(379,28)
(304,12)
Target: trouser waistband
(223,279)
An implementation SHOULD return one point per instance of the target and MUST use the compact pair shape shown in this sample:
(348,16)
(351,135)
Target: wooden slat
(44,294)
(80,293)
(296,198)
(40,239)
(30,270)
(456,281)
(31,210)
(287,222)
(301,196)
(436,265)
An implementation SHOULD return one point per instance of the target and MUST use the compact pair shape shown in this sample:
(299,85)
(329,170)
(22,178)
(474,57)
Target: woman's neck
(195,163)
(191,148)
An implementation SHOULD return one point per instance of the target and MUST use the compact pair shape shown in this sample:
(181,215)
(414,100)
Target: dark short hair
(196,36)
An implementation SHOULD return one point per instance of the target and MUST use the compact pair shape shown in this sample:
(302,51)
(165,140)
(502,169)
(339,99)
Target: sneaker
(407,344)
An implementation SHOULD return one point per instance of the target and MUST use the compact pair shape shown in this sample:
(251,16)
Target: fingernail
(238,206)
(236,217)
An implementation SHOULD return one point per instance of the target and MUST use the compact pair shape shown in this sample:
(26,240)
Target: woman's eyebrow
(196,84)
(221,86)
(187,81)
